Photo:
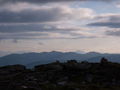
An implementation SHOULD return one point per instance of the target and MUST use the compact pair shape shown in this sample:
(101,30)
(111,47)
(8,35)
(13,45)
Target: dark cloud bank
(45,1)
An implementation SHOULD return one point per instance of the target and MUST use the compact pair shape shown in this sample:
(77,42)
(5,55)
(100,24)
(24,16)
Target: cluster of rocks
(71,75)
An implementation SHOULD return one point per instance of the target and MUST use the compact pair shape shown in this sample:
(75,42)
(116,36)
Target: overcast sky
(60,25)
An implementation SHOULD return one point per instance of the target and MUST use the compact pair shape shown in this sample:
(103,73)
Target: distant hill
(31,59)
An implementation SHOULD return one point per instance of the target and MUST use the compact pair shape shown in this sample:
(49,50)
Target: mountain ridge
(31,59)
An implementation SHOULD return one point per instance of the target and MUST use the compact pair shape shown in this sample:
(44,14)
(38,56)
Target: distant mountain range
(32,59)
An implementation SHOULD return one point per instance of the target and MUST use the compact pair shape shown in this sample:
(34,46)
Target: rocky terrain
(70,75)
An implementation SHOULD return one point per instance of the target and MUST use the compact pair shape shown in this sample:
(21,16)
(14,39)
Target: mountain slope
(31,59)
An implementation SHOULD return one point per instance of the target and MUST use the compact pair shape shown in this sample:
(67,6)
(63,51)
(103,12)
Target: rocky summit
(70,75)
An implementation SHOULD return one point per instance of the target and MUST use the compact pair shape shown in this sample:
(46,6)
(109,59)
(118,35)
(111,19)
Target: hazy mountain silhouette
(31,59)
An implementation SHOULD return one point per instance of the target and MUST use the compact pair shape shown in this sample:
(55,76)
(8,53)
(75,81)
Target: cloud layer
(31,21)
(27,19)
(45,1)
(108,20)
(28,13)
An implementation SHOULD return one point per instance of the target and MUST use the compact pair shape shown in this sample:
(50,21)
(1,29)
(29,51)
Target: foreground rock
(71,75)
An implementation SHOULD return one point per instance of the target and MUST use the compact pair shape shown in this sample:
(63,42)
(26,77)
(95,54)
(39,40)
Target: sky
(59,25)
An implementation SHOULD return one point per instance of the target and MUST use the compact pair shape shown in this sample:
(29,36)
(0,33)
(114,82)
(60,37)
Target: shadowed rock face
(71,75)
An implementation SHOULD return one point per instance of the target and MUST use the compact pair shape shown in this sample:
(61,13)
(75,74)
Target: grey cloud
(41,43)
(17,36)
(106,24)
(113,21)
(113,33)
(45,1)
(82,35)
(45,14)
(23,28)
(44,34)
(28,16)
(19,25)
(19,28)
(15,41)
(33,1)
(30,36)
